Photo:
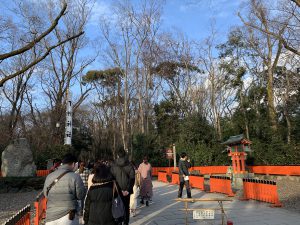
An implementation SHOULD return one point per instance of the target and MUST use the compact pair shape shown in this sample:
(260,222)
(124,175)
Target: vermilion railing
(201,169)
(276,170)
(168,170)
(40,206)
(269,170)
(42,173)
(162,176)
(39,173)
(175,178)
(211,169)
(221,184)
(261,190)
(197,181)
(20,218)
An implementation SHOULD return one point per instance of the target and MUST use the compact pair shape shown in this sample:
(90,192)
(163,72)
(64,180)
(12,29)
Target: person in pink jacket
(145,170)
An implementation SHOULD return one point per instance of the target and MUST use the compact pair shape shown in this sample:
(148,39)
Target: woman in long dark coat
(98,202)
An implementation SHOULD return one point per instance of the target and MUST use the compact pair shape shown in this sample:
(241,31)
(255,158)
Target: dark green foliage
(192,134)
(169,69)
(52,152)
(146,145)
(108,77)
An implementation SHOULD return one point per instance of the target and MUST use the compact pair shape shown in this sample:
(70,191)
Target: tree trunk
(244,114)
(285,109)
(270,97)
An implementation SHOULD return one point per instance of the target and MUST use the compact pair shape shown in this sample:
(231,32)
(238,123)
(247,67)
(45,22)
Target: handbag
(118,208)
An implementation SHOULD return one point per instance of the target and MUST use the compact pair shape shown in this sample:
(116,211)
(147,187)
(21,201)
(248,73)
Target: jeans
(64,221)
(187,186)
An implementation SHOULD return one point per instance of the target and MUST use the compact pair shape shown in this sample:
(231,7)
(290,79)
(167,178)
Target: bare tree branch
(2,81)
(297,2)
(36,40)
(280,38)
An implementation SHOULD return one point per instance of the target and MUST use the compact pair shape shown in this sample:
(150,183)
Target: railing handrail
(18,216)
(39,196)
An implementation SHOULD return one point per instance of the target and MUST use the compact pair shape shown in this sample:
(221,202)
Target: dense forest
(153,88)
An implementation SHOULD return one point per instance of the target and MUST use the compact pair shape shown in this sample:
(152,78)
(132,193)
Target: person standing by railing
(63,188)
(184,174)
(145,170)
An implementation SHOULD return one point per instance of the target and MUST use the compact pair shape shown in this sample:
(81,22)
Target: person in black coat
(184,174)
(98,202)
(124,174)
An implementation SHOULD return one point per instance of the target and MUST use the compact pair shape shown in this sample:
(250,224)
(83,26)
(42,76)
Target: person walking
(84,174)
(63,188)
(183,166)
(145,170)
(124,175)
(99,198)
(136,190)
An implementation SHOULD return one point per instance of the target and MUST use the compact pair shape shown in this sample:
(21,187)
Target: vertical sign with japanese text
(68,134)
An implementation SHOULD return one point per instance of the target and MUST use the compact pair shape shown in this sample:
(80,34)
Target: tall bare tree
(35,40)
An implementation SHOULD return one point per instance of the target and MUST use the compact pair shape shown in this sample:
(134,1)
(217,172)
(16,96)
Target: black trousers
(187,187)
(126,202)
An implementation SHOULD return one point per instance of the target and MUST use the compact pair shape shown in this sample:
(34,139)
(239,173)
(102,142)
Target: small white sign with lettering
(205,214)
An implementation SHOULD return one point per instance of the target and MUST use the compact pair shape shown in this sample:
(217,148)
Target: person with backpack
(63,188)
(124,174)
(99,198)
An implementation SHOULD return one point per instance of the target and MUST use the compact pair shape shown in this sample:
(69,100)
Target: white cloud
(99,9)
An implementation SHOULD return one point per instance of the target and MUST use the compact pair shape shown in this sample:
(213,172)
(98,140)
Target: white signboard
(68,134)
(204,214)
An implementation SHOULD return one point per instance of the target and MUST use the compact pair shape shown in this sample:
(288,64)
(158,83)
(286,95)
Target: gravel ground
(289,194)
(13,202)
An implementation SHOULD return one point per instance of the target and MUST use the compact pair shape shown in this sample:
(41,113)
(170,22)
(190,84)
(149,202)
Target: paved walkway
(165,211)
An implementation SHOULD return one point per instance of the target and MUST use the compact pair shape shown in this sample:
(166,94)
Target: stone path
(165,211)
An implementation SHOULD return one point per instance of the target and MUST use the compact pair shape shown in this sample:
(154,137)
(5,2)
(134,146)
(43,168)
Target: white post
(68,133)
(174,155)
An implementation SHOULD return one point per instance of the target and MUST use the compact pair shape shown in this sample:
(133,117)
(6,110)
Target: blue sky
(192,17)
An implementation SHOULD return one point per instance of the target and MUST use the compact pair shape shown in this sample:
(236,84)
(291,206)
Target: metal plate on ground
(205,214)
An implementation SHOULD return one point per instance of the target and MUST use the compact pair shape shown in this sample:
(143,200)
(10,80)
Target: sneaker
(133,212)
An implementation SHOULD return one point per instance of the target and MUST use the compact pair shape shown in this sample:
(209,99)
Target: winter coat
(64,194)
(183,169)
(124,174)
(98,203)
